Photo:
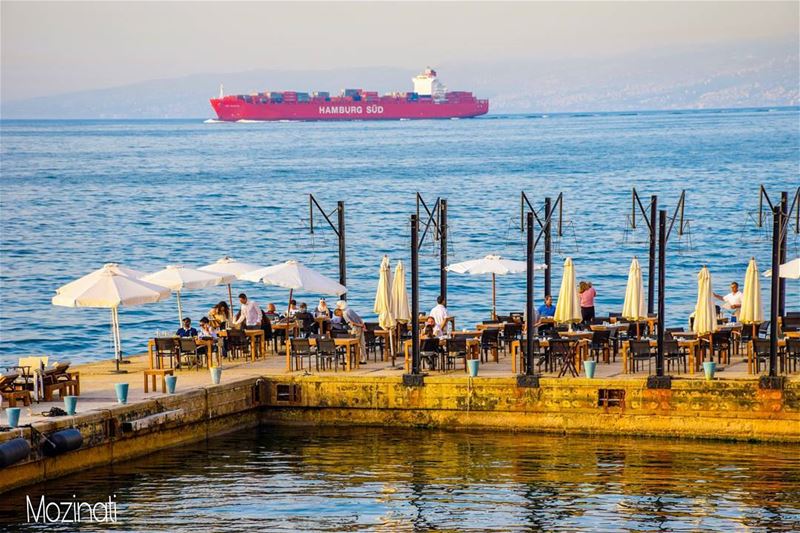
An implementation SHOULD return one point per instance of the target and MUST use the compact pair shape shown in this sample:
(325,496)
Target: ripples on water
(337,479)
(77,194)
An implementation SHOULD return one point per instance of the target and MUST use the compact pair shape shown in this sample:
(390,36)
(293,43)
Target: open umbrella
(293,275)
(383,300)
(494,265)
(227,265)
(399,297)
(109,288)
(705,319)
(179,278)
(92,277)
(568,309)
(634,308)
(751,312)
(789,270)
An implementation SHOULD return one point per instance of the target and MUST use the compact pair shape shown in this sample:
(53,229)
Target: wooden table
(351,344)
(208,343)
(258,342)
(693,363)
(581,353)
(292,326)
(387,337)
(473,350)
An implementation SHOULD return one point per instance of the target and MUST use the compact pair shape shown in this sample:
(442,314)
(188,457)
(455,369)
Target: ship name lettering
(340,109)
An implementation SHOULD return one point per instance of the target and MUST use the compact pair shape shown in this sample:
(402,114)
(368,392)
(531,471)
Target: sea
(77,194)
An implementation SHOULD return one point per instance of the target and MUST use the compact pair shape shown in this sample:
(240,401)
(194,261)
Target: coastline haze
(524,56)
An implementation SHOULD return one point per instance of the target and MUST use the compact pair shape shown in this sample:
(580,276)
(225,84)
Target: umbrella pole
(117,341)
(230,295)
(289,304)
(180,309)
(494,311)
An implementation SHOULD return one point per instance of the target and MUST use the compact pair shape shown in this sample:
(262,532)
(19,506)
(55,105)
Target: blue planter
(216,375)
(70,403)
(709,367)
(589,367)
(472,366)
(171,381)
(122,392)
(13,416)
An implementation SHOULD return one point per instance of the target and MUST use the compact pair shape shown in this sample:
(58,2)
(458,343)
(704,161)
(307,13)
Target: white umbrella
(790,270)
(399,300)
(293,275)
(109,288)
(634,308)
(227,265)
(179,278)
(705,319)
(568,309)
(383,300)
(751,312)
(494,265)
(91,278)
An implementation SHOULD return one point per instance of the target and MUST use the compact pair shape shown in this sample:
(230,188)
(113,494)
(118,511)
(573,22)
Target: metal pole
(651,272)
(784,234)
(342,253)
(548,245)
(775,294)
(443,249)
(414,295)
(662,260)
(530,321)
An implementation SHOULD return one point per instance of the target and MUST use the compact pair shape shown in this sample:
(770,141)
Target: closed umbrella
(179,278)
(494,265)
(227,265)
(568,309)
(705,318)
(383,300)
(399,297)
(109,288)
(295,276)
(634,308)
(751,312)
(790,270)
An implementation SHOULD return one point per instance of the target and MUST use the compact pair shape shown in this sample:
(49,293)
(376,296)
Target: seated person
(292,308)
(207,331)
(187,330)
(337,322)
(547,309)
(432,329)
(322,309)
(307,323)
(272,312)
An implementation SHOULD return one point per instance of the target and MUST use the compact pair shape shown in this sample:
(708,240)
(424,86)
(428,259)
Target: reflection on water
(347,479)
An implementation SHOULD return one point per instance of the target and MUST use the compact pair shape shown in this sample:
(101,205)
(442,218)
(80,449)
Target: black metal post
(775,294)
(415,366)
(548,245)
(529,302)
(662,278)
(443,249)
(651,272)
(784,234)
(342,253)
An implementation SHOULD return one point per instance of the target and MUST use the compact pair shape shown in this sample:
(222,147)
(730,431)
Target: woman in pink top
(587,294)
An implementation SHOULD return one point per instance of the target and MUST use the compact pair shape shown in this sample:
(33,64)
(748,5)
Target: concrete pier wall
(734,410)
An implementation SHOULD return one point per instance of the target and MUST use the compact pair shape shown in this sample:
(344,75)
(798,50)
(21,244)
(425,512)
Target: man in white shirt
(439,314)
(733,300)
(249,313)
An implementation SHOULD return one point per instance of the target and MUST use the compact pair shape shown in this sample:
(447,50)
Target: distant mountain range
(742,75)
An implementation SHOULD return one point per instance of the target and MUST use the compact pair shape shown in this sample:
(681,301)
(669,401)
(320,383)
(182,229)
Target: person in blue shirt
(547,309)
(187,330)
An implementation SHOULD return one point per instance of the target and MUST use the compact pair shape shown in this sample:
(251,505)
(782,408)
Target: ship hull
(236,109)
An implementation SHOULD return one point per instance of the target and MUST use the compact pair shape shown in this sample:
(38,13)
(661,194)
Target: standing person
(220,315)
(249,313)
(733,300)
(439,313)
(547,309)
(587,296)
(357,327)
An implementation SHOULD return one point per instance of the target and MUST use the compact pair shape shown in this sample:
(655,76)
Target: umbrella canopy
(399,297)
(494,265)
(296,276)
(180,278)
(230,266)
(89,279)
(383,296)
(568,309)
(109,288)
(705,319)
(751,312)
(790,270)
(634,308)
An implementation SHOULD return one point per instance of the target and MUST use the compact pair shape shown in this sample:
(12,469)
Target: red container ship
(430,99)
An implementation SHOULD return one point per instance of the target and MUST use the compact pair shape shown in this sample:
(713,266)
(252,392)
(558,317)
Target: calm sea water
(356,479)
(77,194)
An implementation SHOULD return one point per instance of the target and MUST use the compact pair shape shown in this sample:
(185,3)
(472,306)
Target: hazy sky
(57,47)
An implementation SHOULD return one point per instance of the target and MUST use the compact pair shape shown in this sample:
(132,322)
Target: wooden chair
(152,374)
(189,350)
(57,378)
(639,351)
(429,352)
(11,393)
(456,347)
(165,349)
(600,344)
(490,339)
(301,348)
(674,353)
(328,355)
(563,350)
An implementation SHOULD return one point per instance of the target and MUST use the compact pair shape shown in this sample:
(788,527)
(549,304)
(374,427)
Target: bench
(152,373)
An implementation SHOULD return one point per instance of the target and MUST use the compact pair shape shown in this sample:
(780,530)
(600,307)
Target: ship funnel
(221,91)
